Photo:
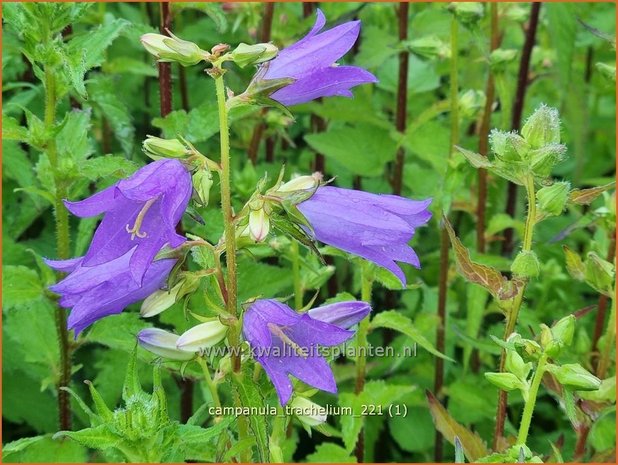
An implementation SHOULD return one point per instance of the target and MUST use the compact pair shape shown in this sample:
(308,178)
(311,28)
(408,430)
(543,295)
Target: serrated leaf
(472,444)
(193,434)
(330,453)
(108,165)
(488,277)
(12,130)
(250,396)
(99,437)
(394,320)
(587,196)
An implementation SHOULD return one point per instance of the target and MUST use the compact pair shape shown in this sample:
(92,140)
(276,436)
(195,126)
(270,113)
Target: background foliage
(110,102)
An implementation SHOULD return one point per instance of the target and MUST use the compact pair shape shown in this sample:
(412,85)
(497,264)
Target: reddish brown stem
(518,108)
(402,95)
(165,69)
(490,90)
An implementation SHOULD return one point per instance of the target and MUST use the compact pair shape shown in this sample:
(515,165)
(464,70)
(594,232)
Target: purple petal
(93,205)
(308,333)
(342,314)
(323,82)
(65,266)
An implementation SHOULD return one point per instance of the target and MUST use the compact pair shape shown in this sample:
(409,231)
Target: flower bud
(309,413)
(543,159)
(202,182)
(552,199)
(508,146)
(429,47)
(245,54)
(259,224)
(575,377)
(173,49)
(516,365)
(564,330)
(301,183)
(468,13)
(599,273)
(157,148)
(159,301)
(470,103)
(162,343)
(505,381)
(526,265)
(202,336)
(500,58)
(542,127)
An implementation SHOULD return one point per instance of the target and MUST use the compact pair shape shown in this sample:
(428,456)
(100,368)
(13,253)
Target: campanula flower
(311,62)
(287,343)
(93,292)
(376,227)
(140,212)
(342,314)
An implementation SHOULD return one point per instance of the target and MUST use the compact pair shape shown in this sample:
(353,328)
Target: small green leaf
(587,196)
(20,286)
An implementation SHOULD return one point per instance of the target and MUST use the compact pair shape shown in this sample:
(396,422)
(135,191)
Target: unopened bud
(301,183)
(505,381)
(202,182)
(500,58)
(173,49)
(564,330)
(599,273)
(508,146)
(526,265)
(545,158)
(429,47)
(468,13)
(157,148)
(516,365)
(245,54)
(159,301)
(202,336)
(162,343)
(552,199)
(542,127)
(575,377)
(309,413)
(259,224)
(471,102)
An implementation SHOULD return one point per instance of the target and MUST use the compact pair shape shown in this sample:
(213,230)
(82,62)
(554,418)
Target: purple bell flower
(286,343)
(312,63)
(342,314)
(376,227)
(94,292)
(142,210)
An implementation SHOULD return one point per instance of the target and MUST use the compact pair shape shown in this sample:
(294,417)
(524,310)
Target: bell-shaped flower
(162,343)
(140,212)
(376,227)
(311,63)
(286,343)
(93,292)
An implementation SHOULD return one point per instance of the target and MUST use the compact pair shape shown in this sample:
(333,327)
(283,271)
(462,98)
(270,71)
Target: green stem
(212,387)
(298,288)
(608,342)
(454,90)
(363,329)
(526,418)
(230,247)
(62,249)
(277,436)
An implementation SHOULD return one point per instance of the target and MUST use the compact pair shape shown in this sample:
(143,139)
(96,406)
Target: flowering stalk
(513,313)
(526,418)
(212,387)
(62,246)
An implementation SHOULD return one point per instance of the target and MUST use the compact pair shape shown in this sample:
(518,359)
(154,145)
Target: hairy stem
(526,418)
(513,314)
(298,288)
(362,346)
(518,109)
(62,250)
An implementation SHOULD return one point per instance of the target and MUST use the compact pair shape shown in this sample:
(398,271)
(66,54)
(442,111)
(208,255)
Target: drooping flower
(162,343)
(311,62)
(376,227)
(287,343)
(141,212)
(93,292)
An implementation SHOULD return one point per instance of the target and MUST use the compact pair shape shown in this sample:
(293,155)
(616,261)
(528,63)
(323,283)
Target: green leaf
(250,396)
(587,196)
(213,10)
(330,453)
(394,320)
(363,150)
(563,32)
(107,166)
(414,432)
(477,160)
(73,140)
(20,286)
(16,165)
(198,125)
(12,130)
(86,51)
(575,265)
(195,435)
(99,437)
(41,449)
(117,331)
